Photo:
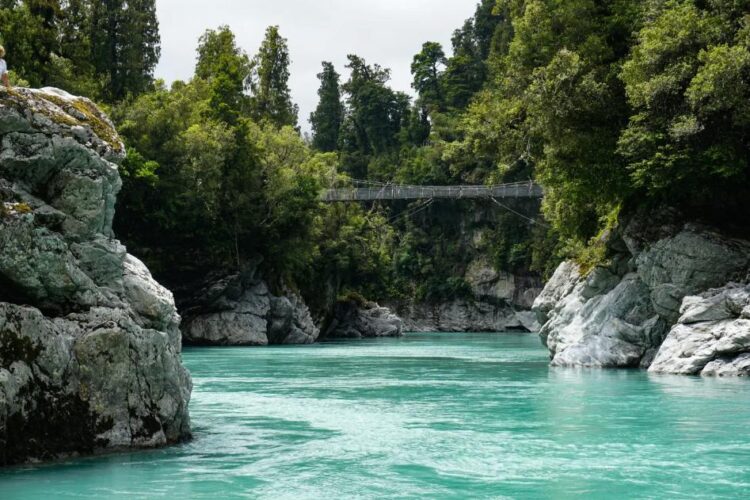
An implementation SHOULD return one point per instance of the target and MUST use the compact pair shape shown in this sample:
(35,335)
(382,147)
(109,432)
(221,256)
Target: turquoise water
(431,416)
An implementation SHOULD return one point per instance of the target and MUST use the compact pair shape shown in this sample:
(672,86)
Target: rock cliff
(499,302)
(89,342)
(239,310)
(356,320)
(668,300)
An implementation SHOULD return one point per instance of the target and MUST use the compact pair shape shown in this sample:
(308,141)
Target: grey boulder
(353,320)
(89,342)
(712,336)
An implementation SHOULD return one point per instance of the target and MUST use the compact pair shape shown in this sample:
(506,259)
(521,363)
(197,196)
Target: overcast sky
(388,32)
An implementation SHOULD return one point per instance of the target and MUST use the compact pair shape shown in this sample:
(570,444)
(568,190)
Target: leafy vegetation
(612,106)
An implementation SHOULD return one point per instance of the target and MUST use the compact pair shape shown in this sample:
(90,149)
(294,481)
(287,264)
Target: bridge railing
(407,192)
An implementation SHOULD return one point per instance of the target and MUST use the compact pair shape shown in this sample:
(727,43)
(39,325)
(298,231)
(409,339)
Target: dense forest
(612,106)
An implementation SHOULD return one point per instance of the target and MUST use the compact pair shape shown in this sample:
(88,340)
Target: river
(429,416)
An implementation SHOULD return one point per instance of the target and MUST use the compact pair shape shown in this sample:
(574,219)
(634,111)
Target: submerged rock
(354,320)
(89,342)
(618,316)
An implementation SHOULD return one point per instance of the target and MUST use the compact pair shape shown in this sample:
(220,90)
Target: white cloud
(388,32)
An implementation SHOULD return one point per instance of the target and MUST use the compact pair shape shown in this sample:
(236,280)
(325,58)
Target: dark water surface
(431,416)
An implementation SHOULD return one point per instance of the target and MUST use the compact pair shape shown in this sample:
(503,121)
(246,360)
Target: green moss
(597,253)
(354,297)
(22,208)
(94,119)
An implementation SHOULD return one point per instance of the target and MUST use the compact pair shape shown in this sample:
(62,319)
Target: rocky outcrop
(239,310)
(603,321)
(464,315)
(496,287)
(711,337)
(89,342)
(353,320)
(619,315)
(498,302)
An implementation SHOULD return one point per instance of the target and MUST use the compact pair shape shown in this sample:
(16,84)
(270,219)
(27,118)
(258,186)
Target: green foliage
(688,82)
(376,113)
(271,99)
(227,69)
(327,118)
(427,71)
(102,49)
(125,45)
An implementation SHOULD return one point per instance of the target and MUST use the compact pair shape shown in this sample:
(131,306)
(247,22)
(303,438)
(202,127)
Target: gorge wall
(673,298)
(238,309)
(499,301)
(467,264)
(89,342)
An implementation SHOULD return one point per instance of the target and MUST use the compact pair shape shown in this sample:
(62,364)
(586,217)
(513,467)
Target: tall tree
(75,43)
(427,68)
(227,68)
(487,19)
(465,72)
(30,29)
(125,45)
(271,97)
(327,118)
(376,112)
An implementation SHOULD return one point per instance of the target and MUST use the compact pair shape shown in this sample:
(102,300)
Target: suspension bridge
(369,191)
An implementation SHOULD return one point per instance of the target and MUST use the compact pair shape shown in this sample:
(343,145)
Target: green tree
(125,45)
(426,69)
(688,82)
(269,83)
(376,113)
(227,68)
(30,35)
(465,72)
(327,118)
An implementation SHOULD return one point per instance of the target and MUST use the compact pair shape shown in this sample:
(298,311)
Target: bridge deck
(394,192)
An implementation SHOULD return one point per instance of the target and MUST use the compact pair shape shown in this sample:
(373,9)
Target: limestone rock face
(89,342)
(692,261)
(353,321)
(465,316)
(563,281)
(613,328)
(500,302)
(712,336)
(619,316)
(290,321)
(239,310)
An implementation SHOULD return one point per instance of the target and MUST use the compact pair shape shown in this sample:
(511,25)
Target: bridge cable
(411,212)
(529,219)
